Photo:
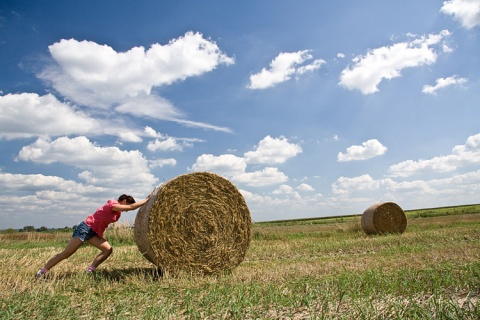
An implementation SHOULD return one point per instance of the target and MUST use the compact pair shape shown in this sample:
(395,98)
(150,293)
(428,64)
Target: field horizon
(445,210)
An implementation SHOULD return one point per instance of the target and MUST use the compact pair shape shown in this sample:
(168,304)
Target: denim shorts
(83,232)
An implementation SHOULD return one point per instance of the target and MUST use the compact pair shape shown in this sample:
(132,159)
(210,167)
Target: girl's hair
(129,199)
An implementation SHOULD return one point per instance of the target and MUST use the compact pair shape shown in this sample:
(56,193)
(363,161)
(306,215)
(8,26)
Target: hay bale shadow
(120,275)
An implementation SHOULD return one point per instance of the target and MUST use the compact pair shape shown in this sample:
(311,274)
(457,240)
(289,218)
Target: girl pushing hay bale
(196,223)
(385,217)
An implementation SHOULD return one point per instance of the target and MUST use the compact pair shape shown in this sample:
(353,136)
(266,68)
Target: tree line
(41,229)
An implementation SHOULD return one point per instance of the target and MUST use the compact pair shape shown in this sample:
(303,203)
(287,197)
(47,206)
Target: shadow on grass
(118,275)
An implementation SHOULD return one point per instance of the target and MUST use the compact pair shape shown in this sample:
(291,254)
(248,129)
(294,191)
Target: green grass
(293,270)
(435,212)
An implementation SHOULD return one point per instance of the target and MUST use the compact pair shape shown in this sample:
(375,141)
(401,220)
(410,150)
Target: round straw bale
(196,223)
(385,217)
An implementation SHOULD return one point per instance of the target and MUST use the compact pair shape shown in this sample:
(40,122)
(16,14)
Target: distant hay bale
(196,223)
(385,217)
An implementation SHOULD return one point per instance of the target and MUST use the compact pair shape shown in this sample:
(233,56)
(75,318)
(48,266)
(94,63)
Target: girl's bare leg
(70,249)
(105,248)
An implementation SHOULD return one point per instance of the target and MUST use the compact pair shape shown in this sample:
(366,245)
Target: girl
(91,230)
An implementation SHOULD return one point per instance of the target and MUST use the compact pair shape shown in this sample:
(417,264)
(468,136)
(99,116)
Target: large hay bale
(385,217)
(196,223)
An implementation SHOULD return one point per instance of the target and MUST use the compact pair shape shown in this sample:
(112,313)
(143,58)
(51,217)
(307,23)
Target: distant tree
(28,229)
(10,230)
(42,229)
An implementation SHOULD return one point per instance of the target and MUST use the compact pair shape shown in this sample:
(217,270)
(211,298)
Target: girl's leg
(105,248)
(70,249)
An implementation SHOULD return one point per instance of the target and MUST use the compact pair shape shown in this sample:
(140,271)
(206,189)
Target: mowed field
(302,269)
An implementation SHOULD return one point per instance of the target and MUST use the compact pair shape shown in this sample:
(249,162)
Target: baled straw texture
(140,227)
(385,217)
(198,223)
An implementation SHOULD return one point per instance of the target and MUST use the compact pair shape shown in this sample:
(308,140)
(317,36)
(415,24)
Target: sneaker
(91,274)
(40,274)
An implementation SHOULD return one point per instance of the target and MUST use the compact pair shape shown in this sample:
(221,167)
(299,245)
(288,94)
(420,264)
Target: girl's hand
(151,193)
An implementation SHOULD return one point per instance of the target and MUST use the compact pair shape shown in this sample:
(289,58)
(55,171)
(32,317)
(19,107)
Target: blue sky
(311,108)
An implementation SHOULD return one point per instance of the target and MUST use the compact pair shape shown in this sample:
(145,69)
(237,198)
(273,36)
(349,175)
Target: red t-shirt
(104,215)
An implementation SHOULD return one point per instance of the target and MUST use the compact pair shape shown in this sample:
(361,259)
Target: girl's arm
(128,207)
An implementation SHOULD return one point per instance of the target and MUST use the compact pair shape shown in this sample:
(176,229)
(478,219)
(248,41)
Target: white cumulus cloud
(96,75)
(40,196)
(273,150)
(39,182)
(345,185)
(367,150)
(442,83)
(168,144)
(287,190)
(103,166)
(461,155)
(270,150)
(261,178)
(282,68)
(227,164)
(457,188)
(466,11)
(28,115)
(163,142)
(305,187)
(387,62)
